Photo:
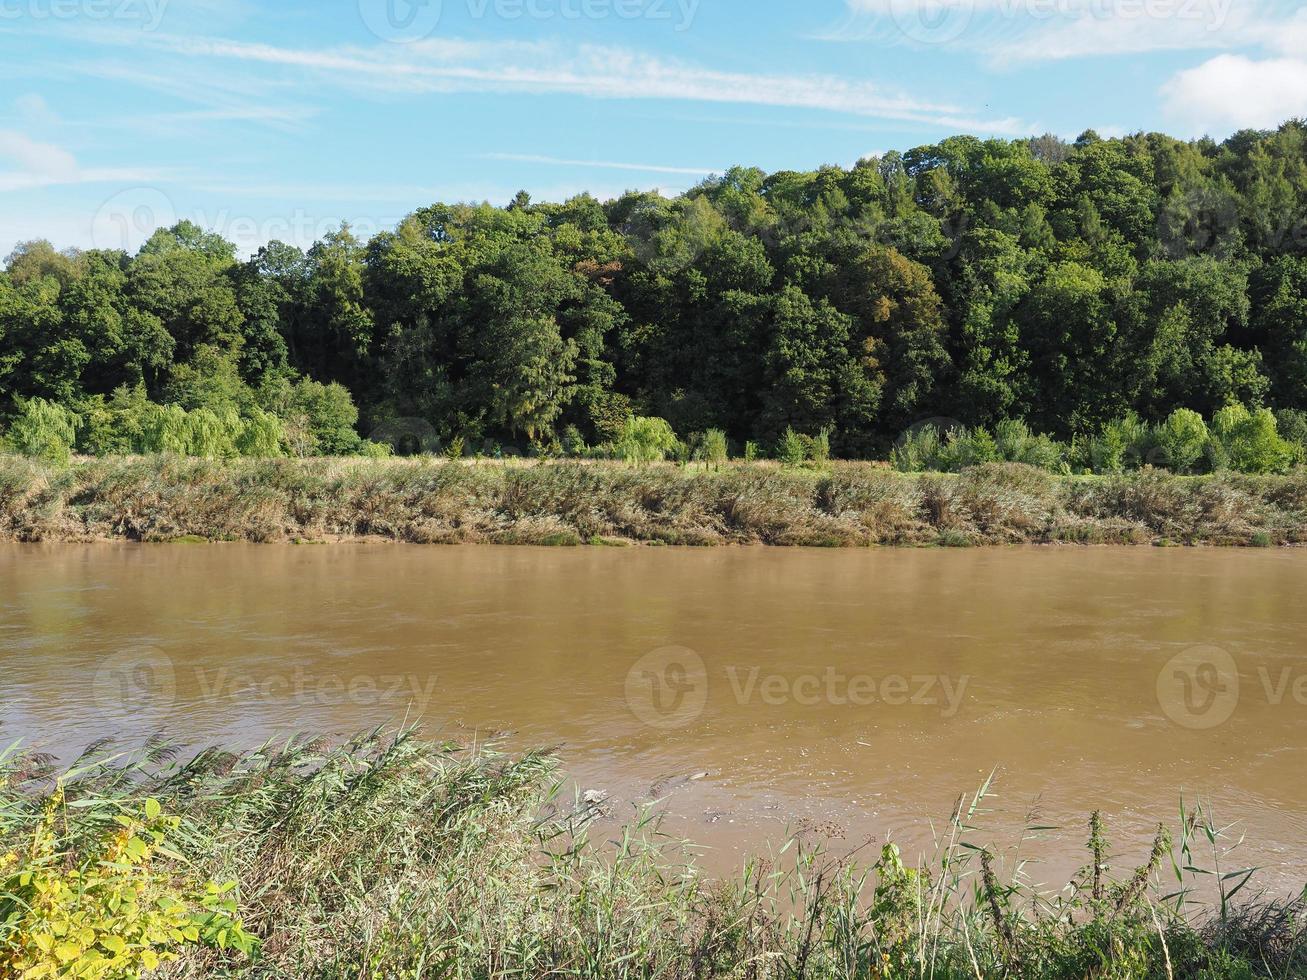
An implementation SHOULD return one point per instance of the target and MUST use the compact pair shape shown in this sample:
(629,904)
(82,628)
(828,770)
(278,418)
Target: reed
(161,498)
(393,856)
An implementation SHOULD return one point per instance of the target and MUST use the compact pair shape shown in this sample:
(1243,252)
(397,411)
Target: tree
(43,430)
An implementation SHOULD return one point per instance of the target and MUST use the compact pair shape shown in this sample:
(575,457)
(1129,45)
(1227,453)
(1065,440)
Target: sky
(280,120)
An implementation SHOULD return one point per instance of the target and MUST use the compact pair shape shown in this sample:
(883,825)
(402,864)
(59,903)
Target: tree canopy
(1066,284)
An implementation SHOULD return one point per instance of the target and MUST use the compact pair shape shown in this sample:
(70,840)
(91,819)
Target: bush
(1250,440)
(43,430)
(713,448)
(817,448)
(790,450)
(260,435)
(1017,444)
(1120,446)
(646,440)
(917,450)
(109,913)
(1181,440)
(1292,423)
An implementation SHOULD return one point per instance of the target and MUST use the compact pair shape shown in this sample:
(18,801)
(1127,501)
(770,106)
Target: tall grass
(157,498)
(391,856)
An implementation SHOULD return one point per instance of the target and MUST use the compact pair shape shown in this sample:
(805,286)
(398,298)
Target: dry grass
(562,503)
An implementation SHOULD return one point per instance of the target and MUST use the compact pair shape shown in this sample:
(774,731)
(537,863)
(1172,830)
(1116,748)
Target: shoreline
(566,503)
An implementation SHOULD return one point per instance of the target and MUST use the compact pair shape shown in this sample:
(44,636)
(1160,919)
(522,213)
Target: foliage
(1180,440)
(109,911)
(646,440)
(713,448)
(1069,285)
(791,449)
(1250,440)
(43,430)
(391,856)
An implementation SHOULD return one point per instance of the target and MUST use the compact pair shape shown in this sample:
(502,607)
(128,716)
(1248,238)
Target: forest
(1088,294)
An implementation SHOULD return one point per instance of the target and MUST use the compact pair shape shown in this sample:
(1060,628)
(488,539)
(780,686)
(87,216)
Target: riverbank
(393,856)
(567,503)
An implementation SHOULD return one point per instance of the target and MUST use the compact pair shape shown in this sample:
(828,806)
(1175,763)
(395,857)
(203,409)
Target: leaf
(152,809)
(114,944)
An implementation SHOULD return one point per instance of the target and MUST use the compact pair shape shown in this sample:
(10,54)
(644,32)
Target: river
(742,692)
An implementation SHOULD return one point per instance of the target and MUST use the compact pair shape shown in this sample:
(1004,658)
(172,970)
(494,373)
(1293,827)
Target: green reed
(393,856)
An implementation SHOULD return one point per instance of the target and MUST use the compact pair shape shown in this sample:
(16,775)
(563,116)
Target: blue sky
(279,120)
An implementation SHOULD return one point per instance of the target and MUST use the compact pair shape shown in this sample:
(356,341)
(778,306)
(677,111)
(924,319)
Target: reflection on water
(863,688)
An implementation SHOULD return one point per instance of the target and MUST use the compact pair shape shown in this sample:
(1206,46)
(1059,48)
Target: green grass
(568,503)
(391,856)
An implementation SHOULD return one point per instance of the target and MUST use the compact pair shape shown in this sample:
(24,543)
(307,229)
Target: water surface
(860,690)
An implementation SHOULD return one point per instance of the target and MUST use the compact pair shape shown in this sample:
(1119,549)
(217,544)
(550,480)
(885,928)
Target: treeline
(1084,288)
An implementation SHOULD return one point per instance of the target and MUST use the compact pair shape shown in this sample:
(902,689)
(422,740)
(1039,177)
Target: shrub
(713,448)
(43,430)
(646,439)
(110,913)
(1017,444)
(966,447)
(817,448)
(260,435)
(916,450)
(165,429)
(1292,423)
(1251,441)
(1181,440)
(211,435)
(790,449)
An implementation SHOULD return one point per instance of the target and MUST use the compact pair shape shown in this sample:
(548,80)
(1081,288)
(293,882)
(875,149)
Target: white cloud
(1008,32)
(1232,92)
(36,159)
(35,109)
(46,165)
(591,71)
(648,168)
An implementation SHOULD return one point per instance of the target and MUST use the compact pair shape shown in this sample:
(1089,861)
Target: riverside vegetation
(1078,287)
(390,856)
(161,498)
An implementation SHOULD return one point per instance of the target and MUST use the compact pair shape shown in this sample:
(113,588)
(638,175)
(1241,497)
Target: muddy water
(857,690)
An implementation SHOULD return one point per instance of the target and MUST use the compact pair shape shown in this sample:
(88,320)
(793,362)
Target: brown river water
(742,692)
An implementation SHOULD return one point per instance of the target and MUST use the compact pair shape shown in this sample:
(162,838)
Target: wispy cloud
(647,168)
(450,65)
(1003,33)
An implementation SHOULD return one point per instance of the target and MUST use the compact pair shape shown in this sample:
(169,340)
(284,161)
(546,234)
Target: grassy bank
(395,857)
(845,504)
